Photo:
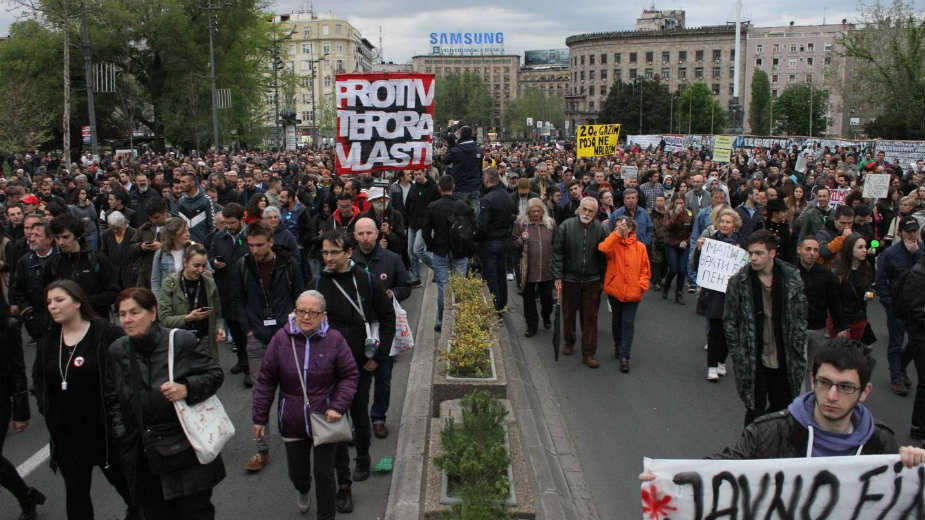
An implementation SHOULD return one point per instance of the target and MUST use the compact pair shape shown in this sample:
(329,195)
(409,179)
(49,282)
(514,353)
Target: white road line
(33,462)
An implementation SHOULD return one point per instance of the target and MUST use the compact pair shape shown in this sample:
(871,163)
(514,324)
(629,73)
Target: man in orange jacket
(626,280)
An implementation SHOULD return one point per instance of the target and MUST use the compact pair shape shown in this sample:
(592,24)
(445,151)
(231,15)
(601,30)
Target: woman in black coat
(114,244)
(140,399)
(68,376)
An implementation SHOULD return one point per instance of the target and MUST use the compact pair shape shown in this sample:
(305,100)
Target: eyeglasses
(331,252)
(843,388)
(310,314)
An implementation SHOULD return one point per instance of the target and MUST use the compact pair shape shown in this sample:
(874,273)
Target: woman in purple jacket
(330,376)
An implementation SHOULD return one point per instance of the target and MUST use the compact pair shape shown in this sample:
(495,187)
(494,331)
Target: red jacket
(628,272)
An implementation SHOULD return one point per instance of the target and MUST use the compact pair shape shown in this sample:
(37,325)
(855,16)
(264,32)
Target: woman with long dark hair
(855,277)
(68,375)
(139,400)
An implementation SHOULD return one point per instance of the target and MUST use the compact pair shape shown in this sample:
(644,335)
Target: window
(791,78)
(717,55)
(809,61)
(698,55)
(682,73)
(802,48)
(666,56)
(775,62)
(809,77)
(759,49)
(632,57)
(591,59)
(304,65)
(306,98)
(682,56)
(698,73)
(340,49)
(339,29)
(327,81)
(308,32)
(666,73)
(590,105)
(575,77)
(717,73)
(603,73)
(574,61)
(791,62)
(732,54)
(776,48)
(306,48)
(582,75)
(325,30)
(616,57)
(714,88)
(307,116)
(618,75)
(340,65)
(632,74)
(582,60)
(758,62)
(732,72)
(793,49)
(774,93)
(326,48)
(591,75)
(603,59)
(649,57)
(648,73)
(811,47)
(828,60)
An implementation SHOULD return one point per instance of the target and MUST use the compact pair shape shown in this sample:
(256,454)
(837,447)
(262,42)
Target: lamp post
(88,67)
(314,120)
(277,64)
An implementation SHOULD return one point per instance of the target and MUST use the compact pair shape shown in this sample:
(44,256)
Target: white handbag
(206,424)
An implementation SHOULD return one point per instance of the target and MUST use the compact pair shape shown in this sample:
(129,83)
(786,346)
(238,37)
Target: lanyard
(195,302)
(359,308)
(63,372)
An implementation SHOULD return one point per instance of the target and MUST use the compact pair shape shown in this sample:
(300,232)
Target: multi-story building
(545,70)
(799,55)
(675,55)
(319,47)
(499,73)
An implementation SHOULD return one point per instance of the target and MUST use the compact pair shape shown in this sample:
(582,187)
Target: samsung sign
(462,43)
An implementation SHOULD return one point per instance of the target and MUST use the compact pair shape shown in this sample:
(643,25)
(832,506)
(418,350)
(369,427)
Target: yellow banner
(722,148)
(597,140)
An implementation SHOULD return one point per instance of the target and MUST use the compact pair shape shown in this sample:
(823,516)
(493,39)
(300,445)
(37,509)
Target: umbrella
(557,324)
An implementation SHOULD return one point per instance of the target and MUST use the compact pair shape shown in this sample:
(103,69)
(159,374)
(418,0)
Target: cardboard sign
(718,262)
(384,121)
(597,140)
(866,486)
(837,197)
(876,185)
(722,148)
(629,172)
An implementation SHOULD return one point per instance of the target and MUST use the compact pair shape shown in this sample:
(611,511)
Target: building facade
(500,74)
(805,54)
(551,80)
(676,56)
(318,48)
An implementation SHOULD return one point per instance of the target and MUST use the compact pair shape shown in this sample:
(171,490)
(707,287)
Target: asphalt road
(664,407)
(264,495)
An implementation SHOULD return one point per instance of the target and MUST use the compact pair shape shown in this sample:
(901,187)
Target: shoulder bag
(323,432)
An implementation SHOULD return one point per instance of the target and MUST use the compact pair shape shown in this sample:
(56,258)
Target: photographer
(464,163)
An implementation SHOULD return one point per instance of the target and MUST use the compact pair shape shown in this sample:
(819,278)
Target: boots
(33,498)
(679,294)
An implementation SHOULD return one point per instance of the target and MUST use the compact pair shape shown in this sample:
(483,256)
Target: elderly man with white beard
(577,268)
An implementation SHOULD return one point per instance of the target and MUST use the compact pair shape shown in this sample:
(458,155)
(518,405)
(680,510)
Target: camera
(369,347)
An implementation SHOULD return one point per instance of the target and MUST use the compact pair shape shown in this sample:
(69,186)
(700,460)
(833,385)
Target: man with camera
(464,163)
(359,308)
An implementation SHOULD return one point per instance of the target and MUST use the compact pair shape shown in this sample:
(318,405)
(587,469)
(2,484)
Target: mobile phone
(220,258)
(205,308)
(148,243)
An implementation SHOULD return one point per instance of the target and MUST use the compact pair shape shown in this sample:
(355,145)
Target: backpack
(897,302)
(461,237)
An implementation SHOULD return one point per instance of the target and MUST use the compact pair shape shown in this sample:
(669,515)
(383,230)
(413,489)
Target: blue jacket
(644,225)
(199,215)
(892,263)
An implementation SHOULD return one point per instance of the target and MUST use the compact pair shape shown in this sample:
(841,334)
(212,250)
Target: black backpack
(897,301)
(461,237)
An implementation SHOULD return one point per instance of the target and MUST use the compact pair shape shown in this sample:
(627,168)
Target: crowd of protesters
(276,257)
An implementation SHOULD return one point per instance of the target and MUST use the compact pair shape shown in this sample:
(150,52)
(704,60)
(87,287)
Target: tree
(759,108)
(533,104)
(886,72)
(645,101)
(463,97)
(24,124)
(699,112)
(793,107)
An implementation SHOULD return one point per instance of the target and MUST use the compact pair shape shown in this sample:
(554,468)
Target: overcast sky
(532,24)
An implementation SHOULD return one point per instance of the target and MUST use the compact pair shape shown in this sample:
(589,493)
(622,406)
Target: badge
(79,361)
(269,322)
(383,276)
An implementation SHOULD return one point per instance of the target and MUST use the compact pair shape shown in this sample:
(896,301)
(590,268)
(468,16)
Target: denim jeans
(623,325)
(443,266)
(493,256)
(691,274)
(416,251)
(894,351)
(675,266)
(471,198)
(382,391)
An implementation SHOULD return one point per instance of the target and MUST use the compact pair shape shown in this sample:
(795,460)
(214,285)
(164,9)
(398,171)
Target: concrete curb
(406,492)
(562,492)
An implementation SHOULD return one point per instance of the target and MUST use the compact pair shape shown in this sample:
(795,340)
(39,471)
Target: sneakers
(721,369)
(381,430)
(236,369)
(304,501)
(899,388)
(343,500)
(706,347)
(257,461)
(510,277)
(712,375)
(691,289)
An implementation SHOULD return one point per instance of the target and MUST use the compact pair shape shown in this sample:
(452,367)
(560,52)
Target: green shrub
(473,329)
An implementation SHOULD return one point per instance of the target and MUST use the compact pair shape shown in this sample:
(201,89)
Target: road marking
(33,462)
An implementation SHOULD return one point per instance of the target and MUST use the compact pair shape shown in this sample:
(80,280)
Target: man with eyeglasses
(831,420)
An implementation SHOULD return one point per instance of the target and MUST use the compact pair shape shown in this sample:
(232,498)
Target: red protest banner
(385,121)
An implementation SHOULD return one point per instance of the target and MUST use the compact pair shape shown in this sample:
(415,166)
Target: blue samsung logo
(466,38)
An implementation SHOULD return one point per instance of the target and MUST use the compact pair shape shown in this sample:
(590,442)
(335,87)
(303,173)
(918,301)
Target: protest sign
(866,486)
(629,172)
(905,151)
(876,185)
(801,163)
(384,121)
(673,142)
(837,197)
(644,141)
(718,262)
(722,148)
(597,140)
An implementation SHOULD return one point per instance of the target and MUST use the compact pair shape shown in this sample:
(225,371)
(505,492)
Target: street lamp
(277,64)
(213,8)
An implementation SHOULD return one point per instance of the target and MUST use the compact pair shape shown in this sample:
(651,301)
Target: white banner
(834,488)
(876,185)
(644,141)
(718,262)
(905,151)
(629,172)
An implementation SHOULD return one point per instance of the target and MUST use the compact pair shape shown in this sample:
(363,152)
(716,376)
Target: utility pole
(735,108)
(213,8)
(810,106)
(88,66)
(66,116)
(277,64)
